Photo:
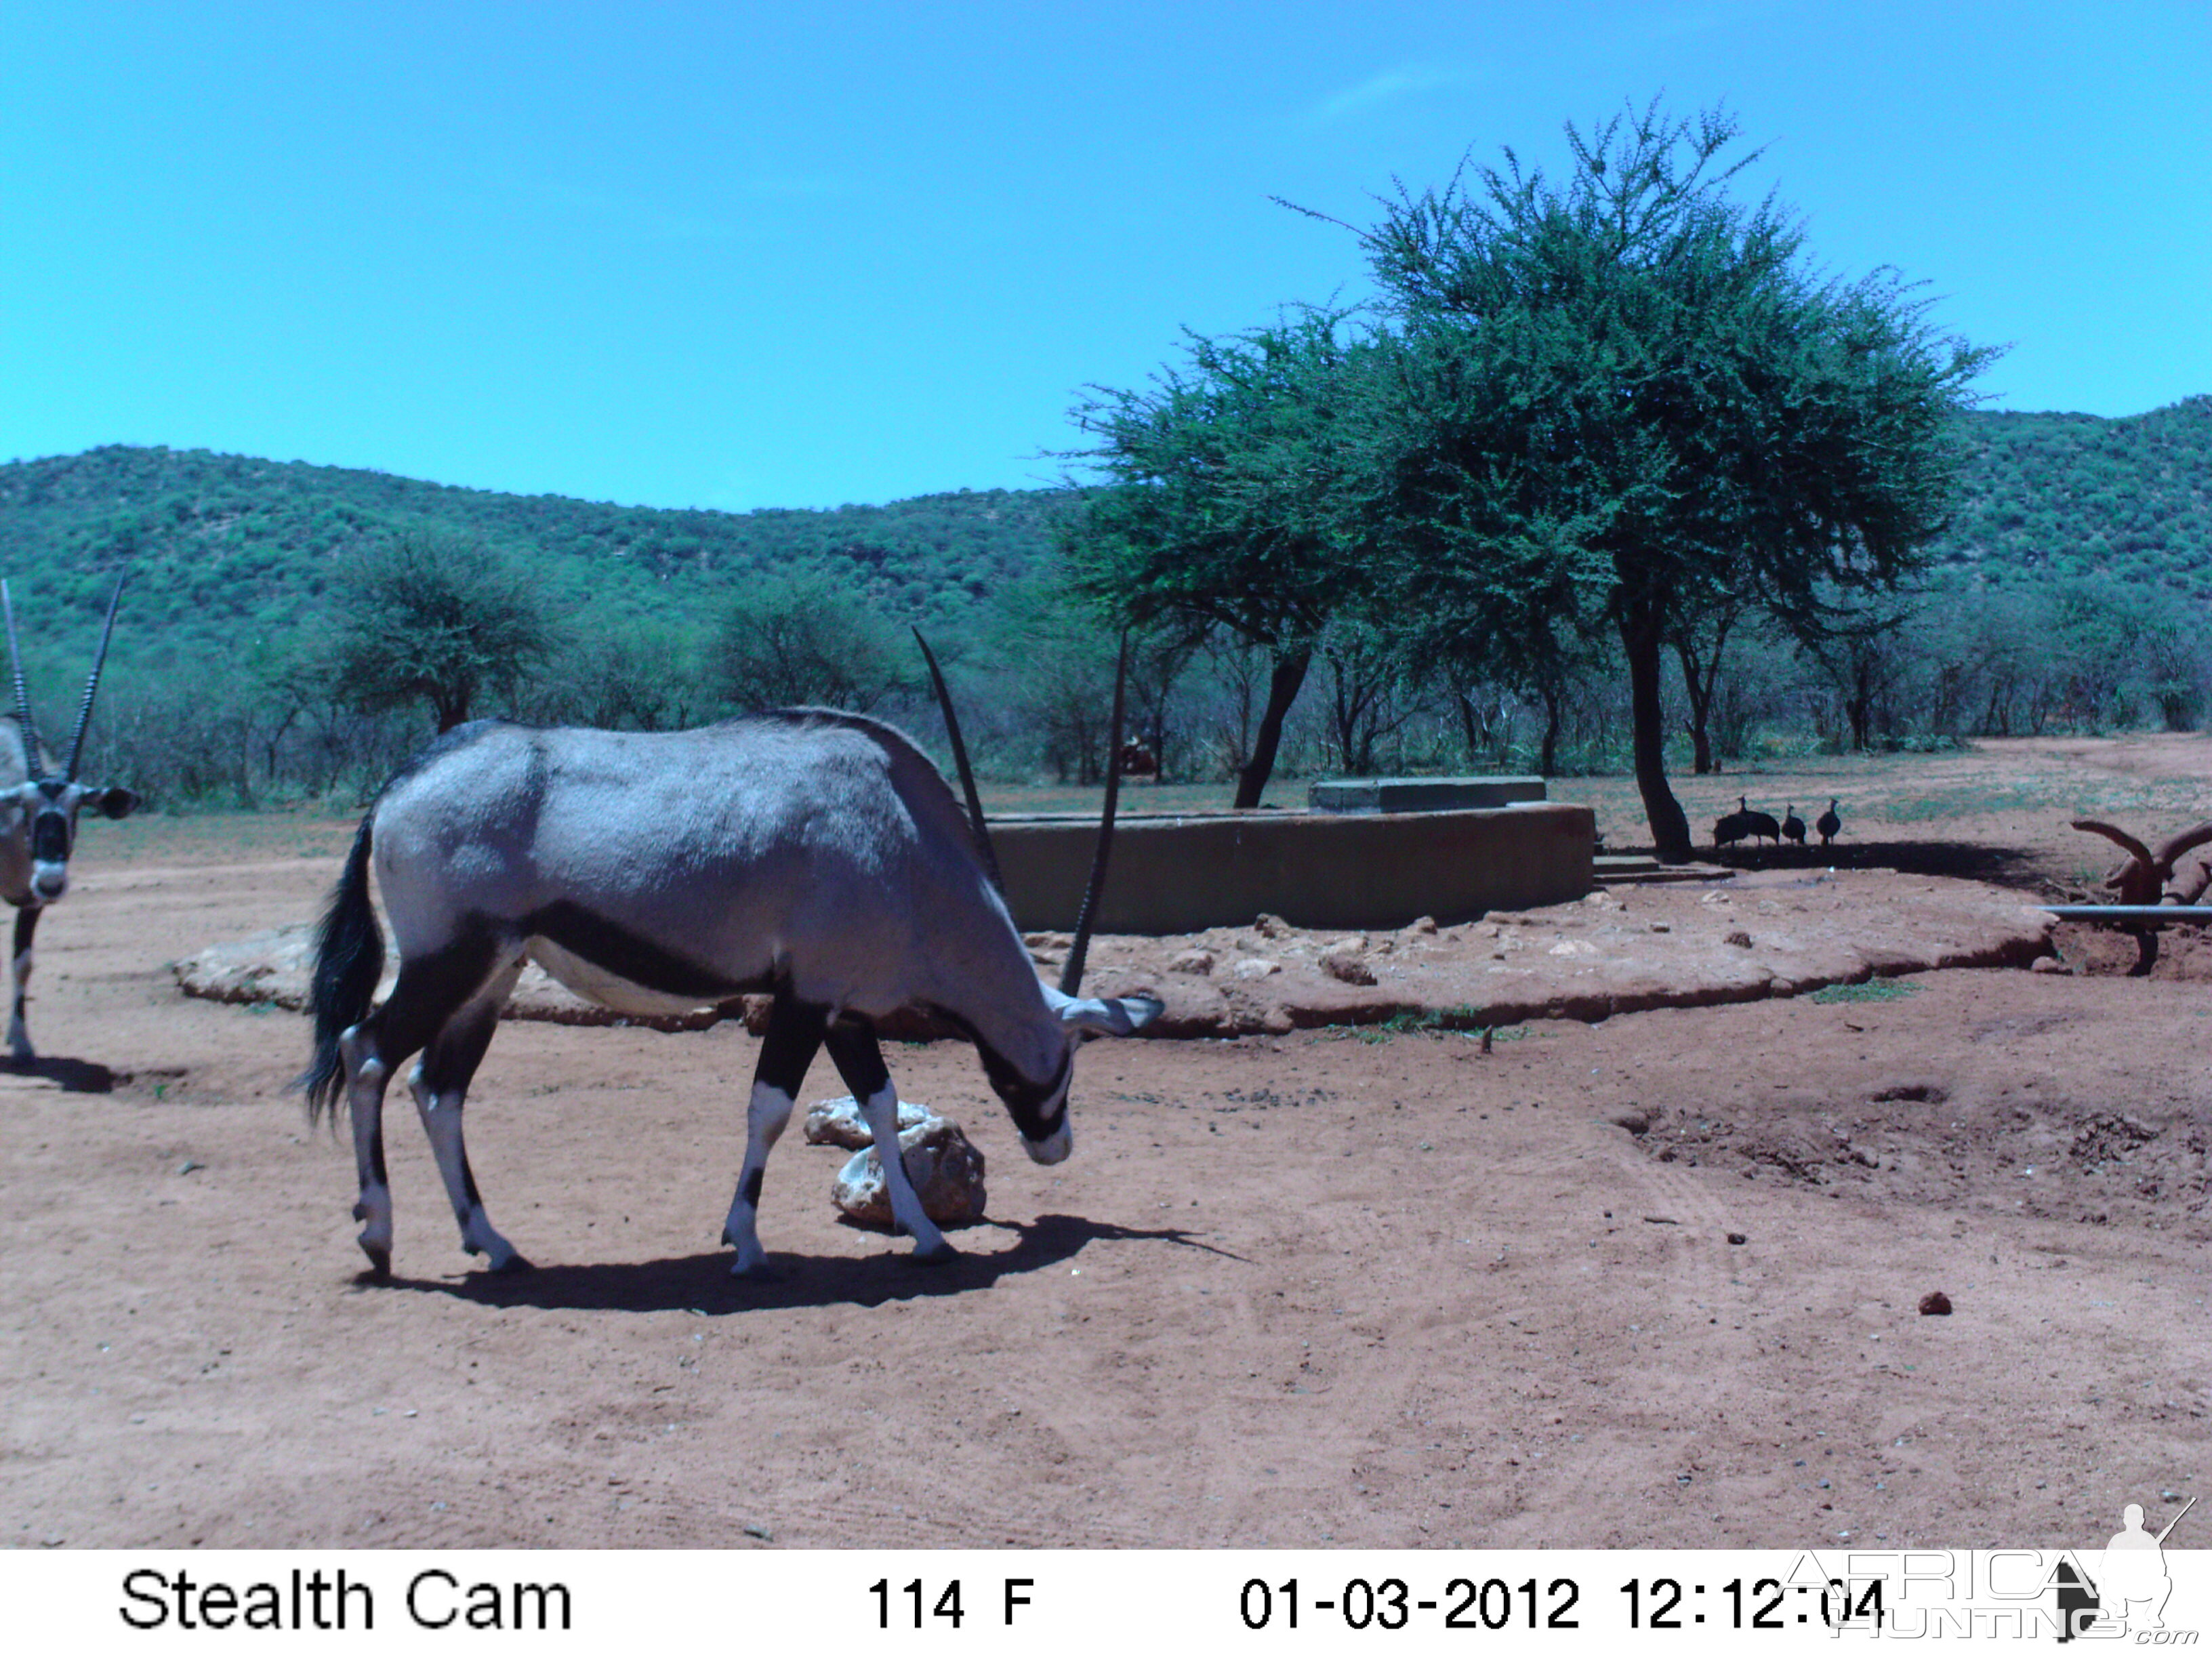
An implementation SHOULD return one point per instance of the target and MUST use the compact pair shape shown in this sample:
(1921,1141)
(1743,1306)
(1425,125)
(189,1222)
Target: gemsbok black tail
(348,963)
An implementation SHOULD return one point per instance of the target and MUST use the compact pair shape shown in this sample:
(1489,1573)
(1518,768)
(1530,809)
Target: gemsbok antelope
(814,855)
(39,809)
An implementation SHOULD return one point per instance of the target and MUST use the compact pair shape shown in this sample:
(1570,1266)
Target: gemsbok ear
(1104,1016)
(115,802)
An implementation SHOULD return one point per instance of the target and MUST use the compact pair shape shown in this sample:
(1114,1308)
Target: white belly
(596,984)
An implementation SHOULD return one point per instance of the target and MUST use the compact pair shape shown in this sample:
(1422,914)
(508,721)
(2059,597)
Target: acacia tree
(440,621)
(1237,499)
(1637,374)
(806,638)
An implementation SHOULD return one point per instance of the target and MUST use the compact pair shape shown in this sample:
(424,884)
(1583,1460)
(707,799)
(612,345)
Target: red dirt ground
(1653,1280)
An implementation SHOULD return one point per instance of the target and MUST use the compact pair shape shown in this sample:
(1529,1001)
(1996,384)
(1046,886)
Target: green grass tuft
(1874,990)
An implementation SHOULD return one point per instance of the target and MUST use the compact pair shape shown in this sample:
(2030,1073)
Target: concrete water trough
(1421,794)
(1350,869)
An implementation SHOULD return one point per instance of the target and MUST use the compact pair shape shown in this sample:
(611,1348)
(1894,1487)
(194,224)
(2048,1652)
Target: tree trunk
(1700,681)
(1700,691)
(1858,707)
(1466,705)
(1547,762)
(1641,636)
(451,705)
(1283,682)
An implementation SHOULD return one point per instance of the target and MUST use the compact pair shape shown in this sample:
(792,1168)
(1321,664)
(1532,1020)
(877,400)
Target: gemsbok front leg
(860,1061)
(439,1083)
(794,1037)
(19,1035)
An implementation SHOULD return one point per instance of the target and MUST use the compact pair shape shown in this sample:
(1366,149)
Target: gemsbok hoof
(941,1254)
(513,1264)
(380,1262)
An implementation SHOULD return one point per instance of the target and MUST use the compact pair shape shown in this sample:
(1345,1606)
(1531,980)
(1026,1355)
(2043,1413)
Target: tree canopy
(1628,396)
(1238,500)
(437,620)
(806,638)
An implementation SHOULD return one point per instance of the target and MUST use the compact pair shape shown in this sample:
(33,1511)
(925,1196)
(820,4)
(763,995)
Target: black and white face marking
(1039,1109)
(49,808)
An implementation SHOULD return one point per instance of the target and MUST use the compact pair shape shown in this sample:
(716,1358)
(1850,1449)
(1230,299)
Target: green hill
(225,551)
(2050,496)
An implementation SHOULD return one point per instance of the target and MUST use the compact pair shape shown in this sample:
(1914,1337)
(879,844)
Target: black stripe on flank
(753,1187)
(613,948)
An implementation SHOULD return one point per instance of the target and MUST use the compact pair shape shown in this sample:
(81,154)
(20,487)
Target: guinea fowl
(1762,824)
(1828,823)
(1793,827)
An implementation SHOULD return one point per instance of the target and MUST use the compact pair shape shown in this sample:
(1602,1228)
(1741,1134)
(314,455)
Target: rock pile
(945,1167)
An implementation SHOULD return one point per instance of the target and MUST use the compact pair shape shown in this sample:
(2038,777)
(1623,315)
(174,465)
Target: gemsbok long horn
(1071,976)
(92,685)
(22,691)
(960,761)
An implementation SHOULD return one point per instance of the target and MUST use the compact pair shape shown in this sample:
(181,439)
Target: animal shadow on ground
(2004,866)
(75,1077)
(702,1283)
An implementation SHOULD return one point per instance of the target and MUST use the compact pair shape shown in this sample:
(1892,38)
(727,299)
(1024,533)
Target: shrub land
(1608,478)
(222,688)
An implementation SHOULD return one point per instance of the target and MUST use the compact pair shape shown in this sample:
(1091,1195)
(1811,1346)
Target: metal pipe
(2130,912)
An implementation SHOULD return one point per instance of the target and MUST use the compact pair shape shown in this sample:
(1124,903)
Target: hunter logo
(2117,1595)
(2132,1584)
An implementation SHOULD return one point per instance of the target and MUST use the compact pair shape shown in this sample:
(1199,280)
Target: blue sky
(734,256)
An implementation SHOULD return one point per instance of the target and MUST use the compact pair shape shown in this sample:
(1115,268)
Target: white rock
(944,1164)
(1347,965)
(1255,968)
(838,1122)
